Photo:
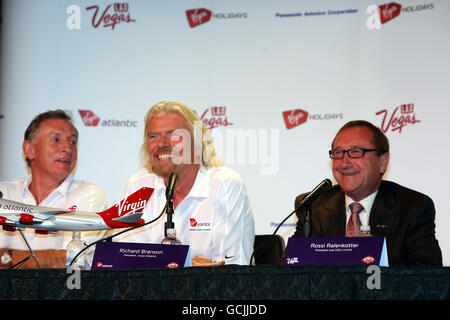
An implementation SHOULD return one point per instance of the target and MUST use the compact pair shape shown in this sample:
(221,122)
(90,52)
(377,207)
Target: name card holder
(336,251)
(131,256)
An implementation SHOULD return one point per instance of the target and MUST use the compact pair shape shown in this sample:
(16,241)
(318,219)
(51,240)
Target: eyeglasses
(352,153)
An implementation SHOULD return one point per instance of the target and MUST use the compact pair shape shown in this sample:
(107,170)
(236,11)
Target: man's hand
(200,261)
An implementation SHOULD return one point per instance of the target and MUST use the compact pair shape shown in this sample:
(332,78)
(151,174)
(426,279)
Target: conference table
(249,283)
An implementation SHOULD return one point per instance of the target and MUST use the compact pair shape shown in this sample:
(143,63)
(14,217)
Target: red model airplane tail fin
(134,203)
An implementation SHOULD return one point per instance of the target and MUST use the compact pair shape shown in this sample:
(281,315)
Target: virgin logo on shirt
(193,222)
(199,226)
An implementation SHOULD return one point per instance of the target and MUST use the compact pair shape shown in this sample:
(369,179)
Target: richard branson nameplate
(129,256)
(336,251)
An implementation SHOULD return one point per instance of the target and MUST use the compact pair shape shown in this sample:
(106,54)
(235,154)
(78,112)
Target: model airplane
(45,220)
(127,213)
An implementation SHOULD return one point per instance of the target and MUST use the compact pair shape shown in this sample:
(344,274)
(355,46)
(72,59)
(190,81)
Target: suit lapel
(382,215)
(335,208)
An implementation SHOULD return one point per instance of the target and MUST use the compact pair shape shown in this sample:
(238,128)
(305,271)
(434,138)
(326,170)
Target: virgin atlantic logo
(199,226)
(90,119)
(402,116)
(110,18)
(192,222)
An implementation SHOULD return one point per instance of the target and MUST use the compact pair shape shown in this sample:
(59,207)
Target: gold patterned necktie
(354,223)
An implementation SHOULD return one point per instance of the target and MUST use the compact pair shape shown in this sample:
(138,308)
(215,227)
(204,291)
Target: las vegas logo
(217,118)
(396,122)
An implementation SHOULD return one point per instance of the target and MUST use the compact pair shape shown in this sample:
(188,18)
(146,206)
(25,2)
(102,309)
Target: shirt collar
(200,188)
(367,203)
(62,189)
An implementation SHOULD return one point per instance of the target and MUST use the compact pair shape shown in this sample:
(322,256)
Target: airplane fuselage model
(17,216)
(126,213)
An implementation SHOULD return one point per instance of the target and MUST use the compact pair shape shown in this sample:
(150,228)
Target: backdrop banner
(272,80)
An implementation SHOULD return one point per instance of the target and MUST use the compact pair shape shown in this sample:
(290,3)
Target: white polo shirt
(86,196)
(214,219)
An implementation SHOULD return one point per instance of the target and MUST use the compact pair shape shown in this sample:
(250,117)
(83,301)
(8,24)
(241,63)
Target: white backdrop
(321,63)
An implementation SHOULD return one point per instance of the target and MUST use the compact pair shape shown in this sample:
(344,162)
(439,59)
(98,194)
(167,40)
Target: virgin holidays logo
(200,16)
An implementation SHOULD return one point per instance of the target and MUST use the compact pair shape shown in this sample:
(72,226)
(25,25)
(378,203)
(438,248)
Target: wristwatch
(6,258)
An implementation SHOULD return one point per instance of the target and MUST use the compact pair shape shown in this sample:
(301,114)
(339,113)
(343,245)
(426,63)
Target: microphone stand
(170,233)
(308,224)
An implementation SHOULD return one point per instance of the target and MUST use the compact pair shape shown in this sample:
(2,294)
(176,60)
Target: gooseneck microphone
(172,183)
(315,193)
(306,202)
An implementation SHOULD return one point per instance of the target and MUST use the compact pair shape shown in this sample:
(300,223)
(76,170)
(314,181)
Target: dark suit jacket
(404,216)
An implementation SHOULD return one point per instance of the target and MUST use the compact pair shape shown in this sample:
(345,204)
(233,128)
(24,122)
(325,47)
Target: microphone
(307,200)
(169,227)
(1,195)
(173,179)
(315,193)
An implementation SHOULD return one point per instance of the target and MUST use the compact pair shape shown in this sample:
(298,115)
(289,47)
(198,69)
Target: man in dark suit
(360,156)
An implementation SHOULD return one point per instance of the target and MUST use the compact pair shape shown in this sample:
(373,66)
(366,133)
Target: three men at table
(212,210)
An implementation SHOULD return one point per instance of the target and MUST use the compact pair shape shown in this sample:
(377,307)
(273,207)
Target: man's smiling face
(359,177)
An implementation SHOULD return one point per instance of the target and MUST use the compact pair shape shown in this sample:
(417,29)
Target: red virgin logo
(197,17)
(111,18)
(397,120)
(89,118)
(389,11)
(192,222)
(293,118)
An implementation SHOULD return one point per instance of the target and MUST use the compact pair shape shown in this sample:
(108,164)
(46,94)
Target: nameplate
(130,256)
(336,251)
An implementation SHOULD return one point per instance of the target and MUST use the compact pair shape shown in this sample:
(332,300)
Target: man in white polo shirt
(211,208)
(50,150)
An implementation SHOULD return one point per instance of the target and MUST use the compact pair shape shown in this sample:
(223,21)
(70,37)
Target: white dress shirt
(214,219)
(86,196)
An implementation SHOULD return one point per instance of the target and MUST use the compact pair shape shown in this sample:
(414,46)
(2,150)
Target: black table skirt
(228,283)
